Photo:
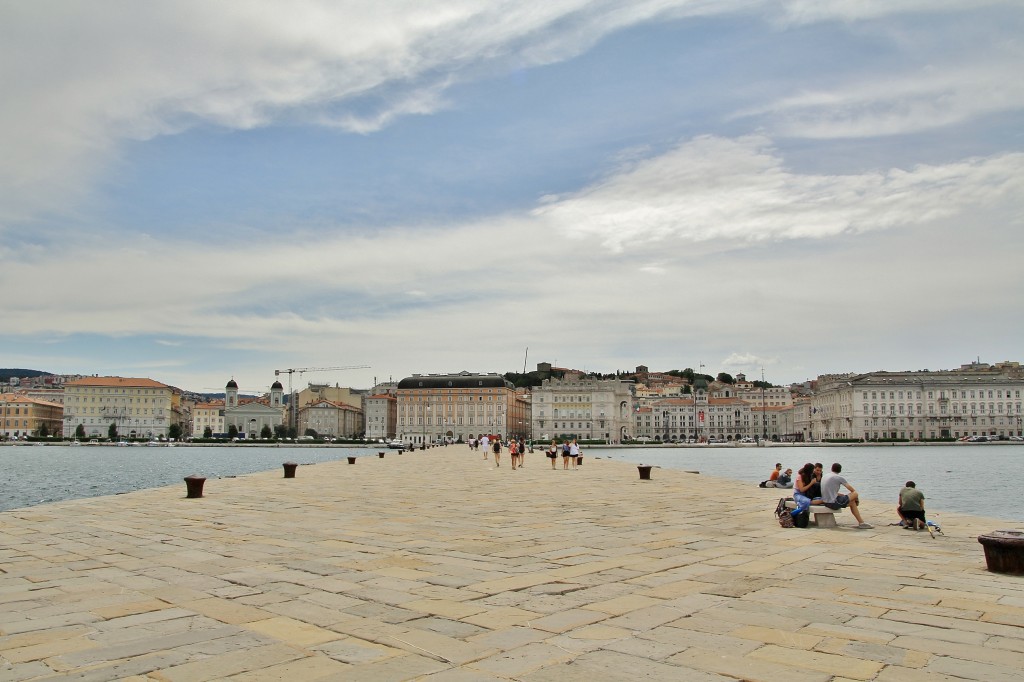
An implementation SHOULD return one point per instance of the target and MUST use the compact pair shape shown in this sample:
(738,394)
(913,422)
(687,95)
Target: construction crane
(302,370)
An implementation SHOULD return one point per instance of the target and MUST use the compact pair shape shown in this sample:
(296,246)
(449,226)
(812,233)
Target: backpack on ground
(783,514)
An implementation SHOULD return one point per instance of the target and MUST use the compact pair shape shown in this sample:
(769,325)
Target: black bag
(802,519)
(783,514)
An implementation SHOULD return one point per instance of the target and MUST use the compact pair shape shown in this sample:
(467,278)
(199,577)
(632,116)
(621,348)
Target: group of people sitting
(811,486)
(779,478)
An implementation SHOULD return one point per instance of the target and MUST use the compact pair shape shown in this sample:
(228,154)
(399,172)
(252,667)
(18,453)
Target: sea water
(981,478)
(975,478)
(32,475)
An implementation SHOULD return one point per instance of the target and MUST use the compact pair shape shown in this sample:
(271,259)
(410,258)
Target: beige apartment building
(22,415)
(326,418)
(138,408)
(433,407)
(208,415)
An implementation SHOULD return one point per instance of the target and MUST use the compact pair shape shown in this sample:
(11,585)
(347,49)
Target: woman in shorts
(553,453)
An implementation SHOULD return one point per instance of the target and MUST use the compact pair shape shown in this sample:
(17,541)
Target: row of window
(995,394)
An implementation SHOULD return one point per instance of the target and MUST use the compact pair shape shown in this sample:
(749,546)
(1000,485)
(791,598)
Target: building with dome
(250,415)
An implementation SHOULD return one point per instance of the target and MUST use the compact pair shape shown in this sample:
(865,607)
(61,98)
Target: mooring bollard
(579,461)
(1004,551)
(194,485)
(351,460)
(381,455)
(289,469)
(645,472)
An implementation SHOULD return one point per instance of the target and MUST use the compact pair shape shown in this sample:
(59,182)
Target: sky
(194,191)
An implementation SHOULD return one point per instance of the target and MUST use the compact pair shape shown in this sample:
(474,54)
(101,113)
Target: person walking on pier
(553,453)
(565,455)
(496,449)
(574,453)
(485,445)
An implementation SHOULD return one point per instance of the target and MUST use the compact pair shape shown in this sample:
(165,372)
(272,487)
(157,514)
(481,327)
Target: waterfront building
(380,412)
(314,393)
(209,414)
(45,393)
(326,418)
(22,415)
(249,416)
(137,407)
(577,406)
(433,407)
(976,400)
(769,396)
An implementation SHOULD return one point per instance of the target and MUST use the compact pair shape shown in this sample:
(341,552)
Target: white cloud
(78,79)
(812,11)
(902,103)
(714,188)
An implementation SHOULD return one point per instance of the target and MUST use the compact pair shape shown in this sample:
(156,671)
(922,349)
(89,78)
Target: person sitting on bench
(833,499)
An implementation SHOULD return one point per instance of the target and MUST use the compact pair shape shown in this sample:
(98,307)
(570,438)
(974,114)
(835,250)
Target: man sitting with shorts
(833,499)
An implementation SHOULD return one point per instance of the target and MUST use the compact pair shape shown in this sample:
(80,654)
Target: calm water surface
(32,475)
(982,479)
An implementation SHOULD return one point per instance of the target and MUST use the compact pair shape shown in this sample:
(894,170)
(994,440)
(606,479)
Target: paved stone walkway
(435,565)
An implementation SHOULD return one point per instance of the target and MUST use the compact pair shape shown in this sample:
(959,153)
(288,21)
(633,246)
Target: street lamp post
(764,414)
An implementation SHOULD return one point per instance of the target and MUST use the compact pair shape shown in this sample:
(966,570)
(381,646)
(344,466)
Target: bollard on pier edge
(1004,551)
(381,455)
(194,486)
(289,469)
(645,472)
(351,460)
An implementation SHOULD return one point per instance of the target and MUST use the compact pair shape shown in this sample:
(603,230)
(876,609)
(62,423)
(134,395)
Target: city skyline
(196,192)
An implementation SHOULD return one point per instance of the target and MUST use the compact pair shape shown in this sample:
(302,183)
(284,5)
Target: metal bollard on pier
(194,486)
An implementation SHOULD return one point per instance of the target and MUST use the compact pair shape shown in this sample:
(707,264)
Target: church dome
(276,386)
(231,384)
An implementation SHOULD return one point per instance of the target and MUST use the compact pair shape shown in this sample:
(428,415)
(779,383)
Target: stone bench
(822,516)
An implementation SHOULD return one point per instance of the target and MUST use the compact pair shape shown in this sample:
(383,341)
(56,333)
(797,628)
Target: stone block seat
(821,516)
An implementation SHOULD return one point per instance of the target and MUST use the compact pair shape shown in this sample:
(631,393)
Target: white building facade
(381,414)
(974,400)
(586,408)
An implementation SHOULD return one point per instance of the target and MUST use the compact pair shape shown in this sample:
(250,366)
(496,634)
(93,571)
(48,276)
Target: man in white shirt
(484,443)
(833,499)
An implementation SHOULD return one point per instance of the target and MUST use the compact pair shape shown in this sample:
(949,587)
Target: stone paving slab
(437,566)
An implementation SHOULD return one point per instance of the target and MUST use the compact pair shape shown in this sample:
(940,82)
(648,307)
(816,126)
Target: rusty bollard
(351,460)
(289,469)
(381,455)
(1004,551)
(194,485)
(645,472)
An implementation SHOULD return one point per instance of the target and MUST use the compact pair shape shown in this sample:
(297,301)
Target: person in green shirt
(911,507)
